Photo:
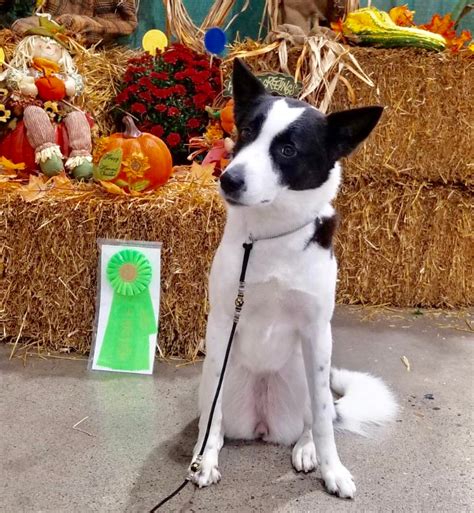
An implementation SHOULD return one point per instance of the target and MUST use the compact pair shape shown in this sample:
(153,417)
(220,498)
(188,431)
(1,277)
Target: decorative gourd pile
(371,26)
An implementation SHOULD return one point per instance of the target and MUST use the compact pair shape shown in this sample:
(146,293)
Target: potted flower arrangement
(167,95)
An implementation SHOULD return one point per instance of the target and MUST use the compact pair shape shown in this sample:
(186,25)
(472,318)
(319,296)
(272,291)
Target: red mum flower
(160,107)
(204,88)
(158,92)
(173,139)
(200,100)
(179,89)
(157,130)
(138,107)
(146,95)
(180,75)
(193,123)
(137,69)
(159,75)
(171,57)
(145,82)
(128,77)
(173,111)
(122,97)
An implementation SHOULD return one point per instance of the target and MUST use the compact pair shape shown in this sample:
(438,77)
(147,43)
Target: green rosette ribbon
(126,345)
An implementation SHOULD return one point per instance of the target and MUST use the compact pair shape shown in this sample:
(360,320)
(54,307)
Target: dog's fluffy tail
(365,401)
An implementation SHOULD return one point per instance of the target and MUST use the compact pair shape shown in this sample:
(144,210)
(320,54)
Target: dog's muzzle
(233,183)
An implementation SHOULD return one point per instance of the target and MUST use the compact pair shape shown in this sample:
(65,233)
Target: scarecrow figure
(42,72)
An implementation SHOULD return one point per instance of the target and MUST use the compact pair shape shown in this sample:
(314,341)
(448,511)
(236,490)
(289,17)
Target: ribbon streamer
(126,344)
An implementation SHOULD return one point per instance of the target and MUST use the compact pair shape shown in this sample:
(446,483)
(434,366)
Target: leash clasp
(196,465)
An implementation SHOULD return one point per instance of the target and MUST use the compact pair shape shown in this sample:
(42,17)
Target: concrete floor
(142,429)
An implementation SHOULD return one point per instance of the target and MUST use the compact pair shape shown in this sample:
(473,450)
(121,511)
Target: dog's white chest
(267,332)
(284,289)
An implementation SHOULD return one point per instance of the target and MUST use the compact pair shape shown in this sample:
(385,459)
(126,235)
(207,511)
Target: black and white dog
(278,188)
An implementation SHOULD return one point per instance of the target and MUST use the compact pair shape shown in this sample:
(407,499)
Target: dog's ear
(347,129)
(245,85)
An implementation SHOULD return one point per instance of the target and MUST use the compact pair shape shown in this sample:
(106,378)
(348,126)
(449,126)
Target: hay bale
(405,244)
(50,255)
(426,131)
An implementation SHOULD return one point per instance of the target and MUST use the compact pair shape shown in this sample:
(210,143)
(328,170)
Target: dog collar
(316,221)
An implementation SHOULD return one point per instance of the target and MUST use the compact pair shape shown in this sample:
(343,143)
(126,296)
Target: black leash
(239,303)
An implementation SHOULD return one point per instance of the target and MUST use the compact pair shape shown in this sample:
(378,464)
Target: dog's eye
(245,133)
(288,150)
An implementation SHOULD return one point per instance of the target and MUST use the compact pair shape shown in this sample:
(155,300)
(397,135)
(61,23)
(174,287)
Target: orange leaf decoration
(338,26)
(444,25)
(458,42)
(10,167)
(203,173)
(61,183)
(402,16)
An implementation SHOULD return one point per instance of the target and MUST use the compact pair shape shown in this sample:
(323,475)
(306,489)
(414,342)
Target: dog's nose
(232,181)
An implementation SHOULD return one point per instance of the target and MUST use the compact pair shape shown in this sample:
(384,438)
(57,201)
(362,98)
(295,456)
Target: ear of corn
(371,26)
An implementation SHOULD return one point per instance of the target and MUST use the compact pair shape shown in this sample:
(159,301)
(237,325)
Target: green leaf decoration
(140,186)
(132,319)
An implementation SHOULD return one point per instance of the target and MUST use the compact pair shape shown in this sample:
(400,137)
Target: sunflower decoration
(51,108)
(4,113)
(135,166)
(132,319)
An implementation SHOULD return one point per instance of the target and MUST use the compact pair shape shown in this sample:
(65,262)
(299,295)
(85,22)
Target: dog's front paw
(338,480)
(207,474)
(303,456)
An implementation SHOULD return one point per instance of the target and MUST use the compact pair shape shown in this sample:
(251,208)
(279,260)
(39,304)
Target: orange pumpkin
(132,160)
(227,117)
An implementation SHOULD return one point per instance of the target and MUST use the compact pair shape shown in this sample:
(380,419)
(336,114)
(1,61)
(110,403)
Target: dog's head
(285,144)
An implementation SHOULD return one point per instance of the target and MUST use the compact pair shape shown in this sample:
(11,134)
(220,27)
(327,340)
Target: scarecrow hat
(50,28)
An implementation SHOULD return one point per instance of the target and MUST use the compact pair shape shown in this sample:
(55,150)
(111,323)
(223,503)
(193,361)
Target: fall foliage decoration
(402,16)
(132,160)
(213,144)
(168,93)
(445,26)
